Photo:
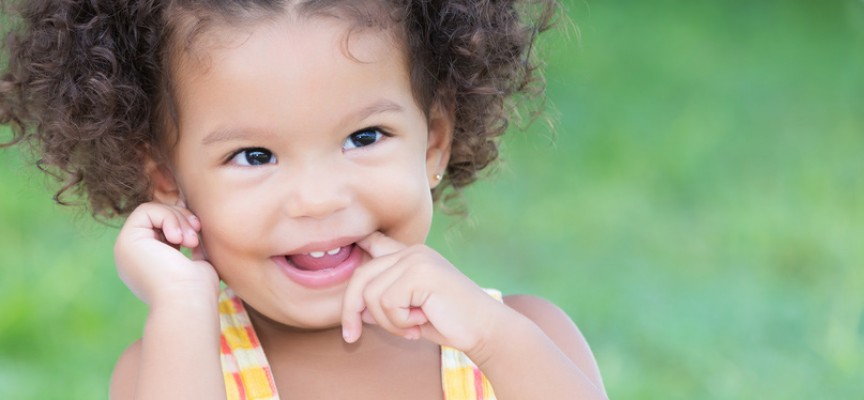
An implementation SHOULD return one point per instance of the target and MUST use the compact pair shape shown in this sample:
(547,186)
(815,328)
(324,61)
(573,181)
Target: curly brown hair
(88,82)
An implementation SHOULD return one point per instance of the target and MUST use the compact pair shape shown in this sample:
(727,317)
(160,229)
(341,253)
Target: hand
(148,257)
(413,292)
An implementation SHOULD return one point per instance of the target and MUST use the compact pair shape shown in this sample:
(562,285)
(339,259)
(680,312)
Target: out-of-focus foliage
(699,212)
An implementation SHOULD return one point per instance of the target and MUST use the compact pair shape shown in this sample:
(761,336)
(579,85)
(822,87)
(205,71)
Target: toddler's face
(294,144)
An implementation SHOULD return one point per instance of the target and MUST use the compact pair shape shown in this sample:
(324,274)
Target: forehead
(197,37)
(285,72)
(192,28)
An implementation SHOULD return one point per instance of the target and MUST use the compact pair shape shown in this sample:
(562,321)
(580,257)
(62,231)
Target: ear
(163,186)
(438,143)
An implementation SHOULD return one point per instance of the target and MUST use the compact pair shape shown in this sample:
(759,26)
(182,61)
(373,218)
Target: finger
(352,325)
(190,238)
(190,234)
(416,317)
(367,317)
(412,317)
(431,334)
(387,311)
(402,305)
(413,332)
(378,244)
(193,220)
(407,324)
(164,220)
(167,223)
(196,223)
(394,304)
(198,253)
(353,302)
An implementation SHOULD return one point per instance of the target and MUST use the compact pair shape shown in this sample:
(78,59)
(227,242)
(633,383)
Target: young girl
(296,148)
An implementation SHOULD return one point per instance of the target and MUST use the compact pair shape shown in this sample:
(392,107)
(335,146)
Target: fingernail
(346,335)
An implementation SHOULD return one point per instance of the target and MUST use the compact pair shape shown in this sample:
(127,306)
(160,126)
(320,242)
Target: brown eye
(253,157)
(362,138)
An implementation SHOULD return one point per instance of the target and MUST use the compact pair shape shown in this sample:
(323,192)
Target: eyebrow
(379,107)
(229,134)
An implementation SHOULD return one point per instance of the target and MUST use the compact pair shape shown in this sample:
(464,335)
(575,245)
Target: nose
(316,191)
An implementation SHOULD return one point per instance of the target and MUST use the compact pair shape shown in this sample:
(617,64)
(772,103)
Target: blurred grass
(699,213)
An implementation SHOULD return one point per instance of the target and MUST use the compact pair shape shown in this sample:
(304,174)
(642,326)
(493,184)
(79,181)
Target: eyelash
(236,158)
(380,135)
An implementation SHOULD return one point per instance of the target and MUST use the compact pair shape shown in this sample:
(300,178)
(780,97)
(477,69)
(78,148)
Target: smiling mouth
(320,260)
(321,269)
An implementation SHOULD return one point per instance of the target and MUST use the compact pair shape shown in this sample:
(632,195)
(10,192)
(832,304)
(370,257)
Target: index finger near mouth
(378,244)
(353,303)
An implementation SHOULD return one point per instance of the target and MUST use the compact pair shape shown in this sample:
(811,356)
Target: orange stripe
(253,337)
(238,305)
(241,390)
(223,345)
(269,374)
(478,383)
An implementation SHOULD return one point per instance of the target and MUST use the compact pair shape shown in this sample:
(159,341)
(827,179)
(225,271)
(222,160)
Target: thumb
(198,252)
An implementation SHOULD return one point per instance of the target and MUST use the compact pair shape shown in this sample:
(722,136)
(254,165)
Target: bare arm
(178,355)
(177,358)
(124,380)
(539,353)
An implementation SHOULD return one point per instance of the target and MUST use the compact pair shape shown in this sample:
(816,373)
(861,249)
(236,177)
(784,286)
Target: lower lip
(323,278)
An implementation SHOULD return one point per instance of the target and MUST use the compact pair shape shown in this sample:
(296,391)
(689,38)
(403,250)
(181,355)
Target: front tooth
(334,251)
(316,254)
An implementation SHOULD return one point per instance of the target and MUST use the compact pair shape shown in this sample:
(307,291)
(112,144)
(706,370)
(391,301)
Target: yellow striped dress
(248,375)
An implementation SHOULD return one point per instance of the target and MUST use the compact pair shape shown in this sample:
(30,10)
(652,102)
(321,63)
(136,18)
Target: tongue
(309,263)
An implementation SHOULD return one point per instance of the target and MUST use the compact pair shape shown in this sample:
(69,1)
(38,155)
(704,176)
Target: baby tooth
(334,251)
(317,254)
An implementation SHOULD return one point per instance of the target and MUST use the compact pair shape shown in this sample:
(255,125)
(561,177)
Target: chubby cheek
(405,214)
(229,232)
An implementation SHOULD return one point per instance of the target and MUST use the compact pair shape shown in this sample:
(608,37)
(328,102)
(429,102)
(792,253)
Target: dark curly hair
(88,82)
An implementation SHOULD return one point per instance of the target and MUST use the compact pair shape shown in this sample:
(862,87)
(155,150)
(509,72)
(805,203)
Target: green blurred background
(699,212)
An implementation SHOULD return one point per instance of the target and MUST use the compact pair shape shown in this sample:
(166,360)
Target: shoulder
(124,377)
(558,326)
(539,310)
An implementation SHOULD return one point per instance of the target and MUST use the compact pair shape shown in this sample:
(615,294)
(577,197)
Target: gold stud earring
(438,177)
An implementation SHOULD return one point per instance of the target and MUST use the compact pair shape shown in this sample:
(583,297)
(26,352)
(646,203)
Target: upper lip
(325,245)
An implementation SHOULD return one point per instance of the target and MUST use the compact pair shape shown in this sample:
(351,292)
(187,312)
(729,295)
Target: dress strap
(460,377)
(244,366)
